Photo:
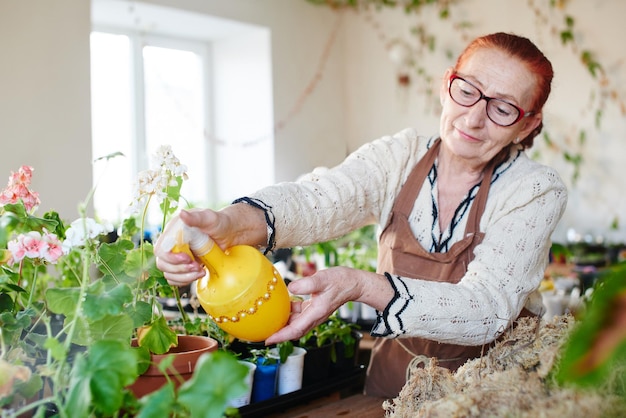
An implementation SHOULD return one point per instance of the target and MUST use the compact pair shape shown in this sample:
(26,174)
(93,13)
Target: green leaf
(56,349)
(6,303)
(100,302)
(60,229)
(141,314)
(99,381)
(63,300)
(27,221)
(13,325)
(79,393)
(567,36)
(158,337)
(140,263)
(129,228)
(284,350)
(217,379)
(594,355)
(598,118)
(8,222)
(29,388)
(158,401)
(113,256)
(144,359)
(115,327)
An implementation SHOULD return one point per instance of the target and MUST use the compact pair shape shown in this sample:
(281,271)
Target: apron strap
(411,188)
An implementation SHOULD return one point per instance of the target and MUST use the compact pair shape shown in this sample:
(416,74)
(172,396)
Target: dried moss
(513,379)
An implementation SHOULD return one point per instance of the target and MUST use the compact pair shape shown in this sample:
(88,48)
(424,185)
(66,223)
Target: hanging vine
(552,16)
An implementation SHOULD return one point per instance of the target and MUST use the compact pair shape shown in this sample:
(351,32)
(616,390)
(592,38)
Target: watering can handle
(177,233)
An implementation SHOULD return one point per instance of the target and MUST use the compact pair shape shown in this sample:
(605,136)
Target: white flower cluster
(82,230)
(155,181)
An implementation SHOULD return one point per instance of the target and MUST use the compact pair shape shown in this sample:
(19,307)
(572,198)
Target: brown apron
(401,254)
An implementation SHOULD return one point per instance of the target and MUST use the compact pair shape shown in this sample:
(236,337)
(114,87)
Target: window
(195,82)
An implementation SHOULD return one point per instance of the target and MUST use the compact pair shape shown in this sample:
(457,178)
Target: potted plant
(318,358)
(106,292)
(291,366)
(346,340)
(265,374)
(357,249)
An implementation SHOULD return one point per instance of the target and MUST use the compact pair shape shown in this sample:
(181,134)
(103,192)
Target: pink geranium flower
(34,245)
(17,188)
(54,248)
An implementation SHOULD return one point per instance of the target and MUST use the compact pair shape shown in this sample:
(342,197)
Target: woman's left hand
(329,289)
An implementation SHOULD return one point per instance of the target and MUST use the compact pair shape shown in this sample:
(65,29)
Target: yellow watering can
(243,293)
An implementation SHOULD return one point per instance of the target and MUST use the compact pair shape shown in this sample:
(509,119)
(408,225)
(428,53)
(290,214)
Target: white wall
(311,134)
(44,98)
(377,106)
(45,109)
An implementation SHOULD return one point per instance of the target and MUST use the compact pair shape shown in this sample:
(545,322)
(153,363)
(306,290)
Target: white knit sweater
(526,201)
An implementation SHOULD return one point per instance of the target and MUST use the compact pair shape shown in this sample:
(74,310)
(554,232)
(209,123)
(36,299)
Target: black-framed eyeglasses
(499,111)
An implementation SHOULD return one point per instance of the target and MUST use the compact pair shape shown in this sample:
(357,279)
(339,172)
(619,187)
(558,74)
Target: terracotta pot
(189,349)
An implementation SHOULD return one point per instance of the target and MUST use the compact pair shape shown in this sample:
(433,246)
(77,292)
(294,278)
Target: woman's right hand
(233,225)
(179,269)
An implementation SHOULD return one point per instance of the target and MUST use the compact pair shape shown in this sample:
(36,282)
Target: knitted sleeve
(330,202)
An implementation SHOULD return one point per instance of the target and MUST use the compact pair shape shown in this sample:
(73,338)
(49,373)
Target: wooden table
(358,405)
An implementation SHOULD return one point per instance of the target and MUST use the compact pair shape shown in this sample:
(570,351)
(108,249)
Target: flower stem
(179,303)
(32,286)
(33,405)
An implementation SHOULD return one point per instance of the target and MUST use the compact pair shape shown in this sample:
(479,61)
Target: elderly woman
(465,220)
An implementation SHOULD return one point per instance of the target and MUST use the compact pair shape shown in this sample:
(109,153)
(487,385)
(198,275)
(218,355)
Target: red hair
(528,53)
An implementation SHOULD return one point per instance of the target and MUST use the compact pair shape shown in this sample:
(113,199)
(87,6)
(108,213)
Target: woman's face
(467,132)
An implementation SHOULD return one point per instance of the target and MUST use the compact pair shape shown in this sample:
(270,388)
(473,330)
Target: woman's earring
(516,141)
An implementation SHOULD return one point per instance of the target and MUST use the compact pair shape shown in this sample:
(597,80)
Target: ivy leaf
(566,36)
(217,379)
(592,65)
(598,118)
